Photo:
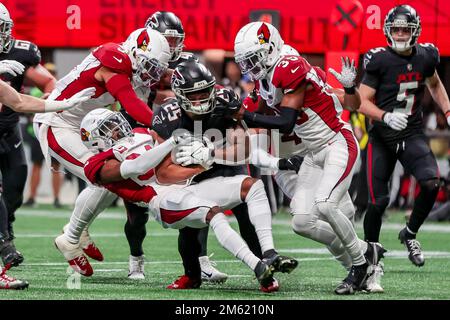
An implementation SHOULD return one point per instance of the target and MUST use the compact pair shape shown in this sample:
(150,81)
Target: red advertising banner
(309,26)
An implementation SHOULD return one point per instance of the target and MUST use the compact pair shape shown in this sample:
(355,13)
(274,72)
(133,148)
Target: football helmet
(194,87)
(403,16)
(170,26)
(149,53)
(257,47)
(100,129)
(6,25)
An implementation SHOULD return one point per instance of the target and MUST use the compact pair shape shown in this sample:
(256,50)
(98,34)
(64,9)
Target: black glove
(292,163)
(228,103)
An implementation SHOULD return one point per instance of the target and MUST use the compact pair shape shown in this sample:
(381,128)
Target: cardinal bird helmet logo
(263,34)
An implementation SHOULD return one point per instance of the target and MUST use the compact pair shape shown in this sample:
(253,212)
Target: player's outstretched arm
(347,77)
(440,96)
(24,103)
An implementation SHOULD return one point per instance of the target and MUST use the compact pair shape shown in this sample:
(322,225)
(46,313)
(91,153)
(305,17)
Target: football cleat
(264,275)
(74,255)
(136,268)
(374,252)
(272,286)
(184,282)
(87,245)
(10,255)
(281,263)
(7,282)
(415,254)
(374,280)
(355,281)
(209,272)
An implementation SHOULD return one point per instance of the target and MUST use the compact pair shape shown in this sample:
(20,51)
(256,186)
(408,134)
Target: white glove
(196,152)
(396,120)
(73,101)
(12,67)
(182,137)
(348,73)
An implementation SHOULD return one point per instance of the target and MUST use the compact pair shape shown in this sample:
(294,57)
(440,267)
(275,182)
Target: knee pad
(430,186)
(303,224)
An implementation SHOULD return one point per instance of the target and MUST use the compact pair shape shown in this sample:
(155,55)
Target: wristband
(351,90)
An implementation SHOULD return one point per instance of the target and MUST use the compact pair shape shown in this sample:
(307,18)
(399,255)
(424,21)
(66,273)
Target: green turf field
(315,278)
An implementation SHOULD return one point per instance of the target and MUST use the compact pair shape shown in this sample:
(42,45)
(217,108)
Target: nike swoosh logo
(369,56)
(207,274)
(293,70)
(117,59)
(17,144)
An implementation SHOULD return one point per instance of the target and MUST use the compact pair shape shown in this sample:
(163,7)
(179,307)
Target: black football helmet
(403,16)
(194,87)
(170,26)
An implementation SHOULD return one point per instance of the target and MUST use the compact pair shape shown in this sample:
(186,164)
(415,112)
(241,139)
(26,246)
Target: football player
(305,104)
(112,69)
(128,170)
(197,104)
(391,92)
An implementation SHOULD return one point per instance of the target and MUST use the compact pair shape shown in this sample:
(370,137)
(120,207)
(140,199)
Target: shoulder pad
(290,72)
(112,56)
(372,61)
(167,119)
(28,52)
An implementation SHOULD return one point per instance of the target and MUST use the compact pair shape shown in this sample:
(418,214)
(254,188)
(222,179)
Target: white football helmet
(257,47)
(287,50)
(149,53)
(100,129)
(6,25)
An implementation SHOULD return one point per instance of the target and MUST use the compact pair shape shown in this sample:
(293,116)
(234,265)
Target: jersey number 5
(404,96)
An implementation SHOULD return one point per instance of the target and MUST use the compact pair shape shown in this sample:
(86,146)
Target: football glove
(395,120)
(196,152)
(72,102)
(292,163)
(348,73)
(227,105)
(12,67)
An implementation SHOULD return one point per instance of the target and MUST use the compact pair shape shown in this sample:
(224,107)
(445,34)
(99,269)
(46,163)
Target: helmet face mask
(402,18)
(196,101)
(100,130)
(6,25)
(252,63)
(176,44)
(148,71)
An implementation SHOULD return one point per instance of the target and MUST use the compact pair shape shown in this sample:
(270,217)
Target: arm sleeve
(147,161)
(131,191)
(120,88)
(285,122)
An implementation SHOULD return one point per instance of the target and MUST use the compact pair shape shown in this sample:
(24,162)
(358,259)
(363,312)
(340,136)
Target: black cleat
(413,246)
(374,252)
(264,275)
(355,281)
(10,255)
(281,263)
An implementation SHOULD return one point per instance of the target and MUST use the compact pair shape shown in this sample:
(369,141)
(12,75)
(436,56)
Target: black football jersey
(28,54)
(171,117)
(399,82)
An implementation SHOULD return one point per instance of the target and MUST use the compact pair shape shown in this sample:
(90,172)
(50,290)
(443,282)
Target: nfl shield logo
(409,66)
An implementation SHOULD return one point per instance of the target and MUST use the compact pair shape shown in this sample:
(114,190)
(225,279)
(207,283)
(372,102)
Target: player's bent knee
(430,186)
(303,224)
(246,185)
(326,208)
(380,203)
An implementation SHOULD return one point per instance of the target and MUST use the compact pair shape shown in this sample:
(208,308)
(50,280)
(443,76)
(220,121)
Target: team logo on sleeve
(84,134)
(143,40)
(263,34)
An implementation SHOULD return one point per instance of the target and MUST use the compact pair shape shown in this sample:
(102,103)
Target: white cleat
(374,281)
(74,256)
(87,245)
(136,268)
(209,273)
